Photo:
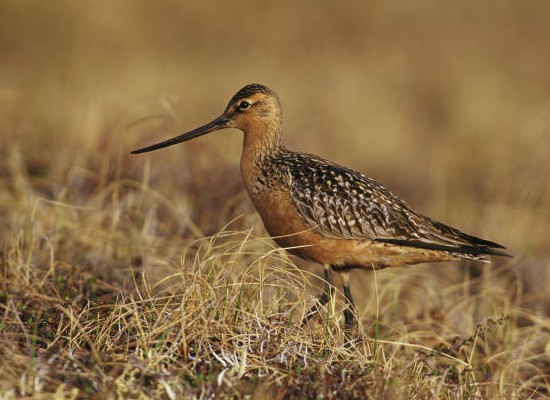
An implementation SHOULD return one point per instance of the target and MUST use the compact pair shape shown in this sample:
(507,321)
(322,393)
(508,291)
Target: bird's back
(341,204)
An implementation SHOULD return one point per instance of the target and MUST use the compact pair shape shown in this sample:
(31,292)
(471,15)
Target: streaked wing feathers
(341,203)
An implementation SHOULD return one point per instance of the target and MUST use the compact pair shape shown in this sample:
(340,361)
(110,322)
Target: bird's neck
(261,145)
(262,139)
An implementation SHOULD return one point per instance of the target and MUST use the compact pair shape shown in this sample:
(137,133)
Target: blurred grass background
(446,103)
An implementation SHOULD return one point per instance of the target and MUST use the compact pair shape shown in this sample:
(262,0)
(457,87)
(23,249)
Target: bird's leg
(349,311)
(324,298)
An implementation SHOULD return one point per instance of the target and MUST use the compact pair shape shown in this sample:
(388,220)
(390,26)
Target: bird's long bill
(218,123)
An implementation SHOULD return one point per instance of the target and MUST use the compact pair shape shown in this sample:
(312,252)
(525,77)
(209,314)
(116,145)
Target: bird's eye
(243,105)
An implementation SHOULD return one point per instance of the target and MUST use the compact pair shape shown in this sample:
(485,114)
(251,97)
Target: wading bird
(327,213)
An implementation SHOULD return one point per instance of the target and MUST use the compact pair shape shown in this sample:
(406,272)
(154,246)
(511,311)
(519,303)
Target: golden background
(448,104)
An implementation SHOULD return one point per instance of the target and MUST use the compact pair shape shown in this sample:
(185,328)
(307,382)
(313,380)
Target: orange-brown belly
(289,230)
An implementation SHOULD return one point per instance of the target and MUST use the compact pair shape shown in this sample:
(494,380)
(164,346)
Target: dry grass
(152,277)
(222,320)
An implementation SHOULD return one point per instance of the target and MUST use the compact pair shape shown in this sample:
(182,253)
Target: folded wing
(341,203)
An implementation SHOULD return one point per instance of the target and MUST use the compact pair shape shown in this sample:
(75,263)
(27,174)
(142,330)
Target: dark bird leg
(349,311)
(324,298)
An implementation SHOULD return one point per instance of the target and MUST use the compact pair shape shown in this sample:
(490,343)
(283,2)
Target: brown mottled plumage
(326,213)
